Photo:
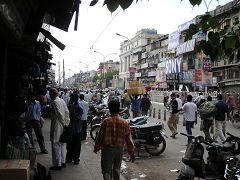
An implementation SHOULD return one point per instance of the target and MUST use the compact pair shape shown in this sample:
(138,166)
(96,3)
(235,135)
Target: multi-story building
(226,71)
(152,54)
(130,53)
(104,69)
(180,66)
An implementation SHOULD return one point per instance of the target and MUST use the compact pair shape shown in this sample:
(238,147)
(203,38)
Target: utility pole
(59,74)
(63,74)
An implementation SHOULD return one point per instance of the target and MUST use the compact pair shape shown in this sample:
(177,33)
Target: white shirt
(179,101)
(84,105)
(190,110)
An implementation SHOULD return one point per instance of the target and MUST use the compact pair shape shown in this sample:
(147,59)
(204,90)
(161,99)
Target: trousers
(58,153)
(172,122)
(111,160)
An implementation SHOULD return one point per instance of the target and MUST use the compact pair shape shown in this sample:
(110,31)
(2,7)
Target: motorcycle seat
(227,146)
(139,120)
(149,127)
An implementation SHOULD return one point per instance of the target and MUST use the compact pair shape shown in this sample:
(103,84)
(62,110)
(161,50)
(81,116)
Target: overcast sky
(97,29)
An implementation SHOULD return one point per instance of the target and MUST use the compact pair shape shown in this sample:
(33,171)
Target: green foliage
(95,79)
(109,75)
(112,5)
(195,2)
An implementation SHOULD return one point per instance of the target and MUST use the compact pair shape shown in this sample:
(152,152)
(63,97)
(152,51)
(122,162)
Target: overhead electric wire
(98,37)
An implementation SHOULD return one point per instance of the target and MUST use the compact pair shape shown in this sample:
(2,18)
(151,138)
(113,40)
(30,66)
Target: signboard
(198,75)
(137,74)
(161,75)
(145,65)
(186,25)
(186,47)
(174,66)
(173,40)
(152,73)
(189,76)
(207,64)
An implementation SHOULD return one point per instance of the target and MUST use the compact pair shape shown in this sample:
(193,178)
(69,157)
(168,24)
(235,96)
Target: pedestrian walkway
(88,169)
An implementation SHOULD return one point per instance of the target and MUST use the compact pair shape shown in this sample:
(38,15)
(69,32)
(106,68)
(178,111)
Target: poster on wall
(207,78)
(161,75)
(198,74)
(207,64)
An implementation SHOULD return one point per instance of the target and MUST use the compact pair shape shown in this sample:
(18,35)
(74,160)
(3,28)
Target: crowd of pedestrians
(69,108)
(212,114)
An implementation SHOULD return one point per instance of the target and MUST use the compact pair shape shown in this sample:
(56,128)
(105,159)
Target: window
(235,20)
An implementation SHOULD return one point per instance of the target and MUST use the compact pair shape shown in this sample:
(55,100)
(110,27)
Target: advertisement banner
(174,66)
(161,75)
(189,76)
(198,75)
(207,78)
(207,64)
(186,25)
(186,47)
(173,40)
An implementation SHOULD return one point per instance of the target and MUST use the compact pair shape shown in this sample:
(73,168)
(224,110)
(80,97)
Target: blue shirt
(33,111)
(222,109)
(136,104)
(76,112)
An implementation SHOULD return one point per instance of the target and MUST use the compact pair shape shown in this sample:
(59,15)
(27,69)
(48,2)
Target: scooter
(194,164)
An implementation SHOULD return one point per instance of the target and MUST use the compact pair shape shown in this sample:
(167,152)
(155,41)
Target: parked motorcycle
(135,121)
(150,136)
(194,164)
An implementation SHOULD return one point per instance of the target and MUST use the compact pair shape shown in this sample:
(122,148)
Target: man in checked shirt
(113,135)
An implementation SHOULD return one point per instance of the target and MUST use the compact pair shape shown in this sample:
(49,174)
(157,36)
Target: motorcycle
(150,136)
(194,164)
(135,121)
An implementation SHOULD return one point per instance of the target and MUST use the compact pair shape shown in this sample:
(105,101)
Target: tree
(217,44)
(95,79)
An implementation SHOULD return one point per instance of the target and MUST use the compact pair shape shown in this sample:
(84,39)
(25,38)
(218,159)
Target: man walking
(190,114)
(59,118)
(174,116)
(207,111)
(85,107)
(145,105)
(221,111)
(113,134)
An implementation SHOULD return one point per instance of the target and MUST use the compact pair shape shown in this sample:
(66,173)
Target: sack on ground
(207,110)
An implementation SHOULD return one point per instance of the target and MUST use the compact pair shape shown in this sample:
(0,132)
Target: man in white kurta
(59,119)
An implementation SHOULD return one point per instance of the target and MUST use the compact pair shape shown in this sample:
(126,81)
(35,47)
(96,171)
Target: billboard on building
(173,40)
(189,76)
(174,66)
(186,25)
(207,64)
(161,74)
(198,75)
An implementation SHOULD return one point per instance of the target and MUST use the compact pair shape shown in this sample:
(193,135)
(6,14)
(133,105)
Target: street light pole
(131,54)
(103,64)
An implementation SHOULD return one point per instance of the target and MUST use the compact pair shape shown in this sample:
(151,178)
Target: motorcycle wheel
(93,122)
(94,131)
(157,149)
(89,119)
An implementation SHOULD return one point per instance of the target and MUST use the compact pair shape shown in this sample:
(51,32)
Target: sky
(97,28)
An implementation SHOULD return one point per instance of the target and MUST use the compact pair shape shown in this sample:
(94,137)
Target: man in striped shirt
(113,135)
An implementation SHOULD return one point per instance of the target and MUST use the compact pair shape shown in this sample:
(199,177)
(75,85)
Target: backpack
(207,110)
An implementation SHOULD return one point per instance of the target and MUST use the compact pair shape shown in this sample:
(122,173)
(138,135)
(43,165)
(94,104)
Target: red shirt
(115,131)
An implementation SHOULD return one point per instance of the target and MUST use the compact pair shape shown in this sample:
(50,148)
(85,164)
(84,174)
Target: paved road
(155,168)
